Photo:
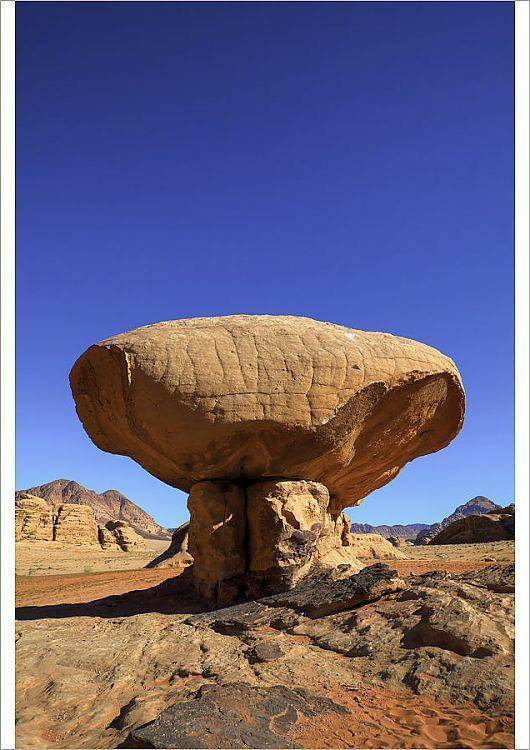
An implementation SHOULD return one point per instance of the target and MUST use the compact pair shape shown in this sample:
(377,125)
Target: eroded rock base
(260,538)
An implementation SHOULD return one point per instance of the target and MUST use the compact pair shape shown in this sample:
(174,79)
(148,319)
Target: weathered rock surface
(107,506)
(119,534)
(217,539)
(263,396)
(289,527)
(488,527)
(68,524)
(374,547)
(416,661)
(74,524)
(177,554)
(253,540)
(33,519)
(235,716)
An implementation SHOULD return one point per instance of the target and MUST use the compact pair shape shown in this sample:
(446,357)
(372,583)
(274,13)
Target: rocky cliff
(70,524)
(108,506)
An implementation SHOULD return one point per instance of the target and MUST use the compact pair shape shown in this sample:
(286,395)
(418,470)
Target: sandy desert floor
(57,595)
(78,574)
(49,558)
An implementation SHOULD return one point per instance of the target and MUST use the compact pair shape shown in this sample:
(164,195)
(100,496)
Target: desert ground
(39,559)
(102,652)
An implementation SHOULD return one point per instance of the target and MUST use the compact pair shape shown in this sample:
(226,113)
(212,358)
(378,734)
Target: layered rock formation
(253,416)
(488,527)
(33,519)
(68,524)
(108,506)
(75,524)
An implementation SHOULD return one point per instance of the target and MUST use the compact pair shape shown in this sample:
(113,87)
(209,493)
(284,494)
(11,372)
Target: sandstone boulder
(398,542)
(106,539)
(374,547)
(33,519)
(263,396)
(121,535)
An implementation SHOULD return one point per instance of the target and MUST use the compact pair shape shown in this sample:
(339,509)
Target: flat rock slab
(234,716)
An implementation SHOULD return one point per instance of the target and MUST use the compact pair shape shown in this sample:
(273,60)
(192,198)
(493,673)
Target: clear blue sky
(352,162)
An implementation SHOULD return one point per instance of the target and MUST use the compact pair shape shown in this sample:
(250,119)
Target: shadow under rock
(174,596)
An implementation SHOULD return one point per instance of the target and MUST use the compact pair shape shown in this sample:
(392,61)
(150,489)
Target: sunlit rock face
(263,396)
(245,399)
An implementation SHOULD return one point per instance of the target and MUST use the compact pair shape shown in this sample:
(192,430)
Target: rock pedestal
(218,539)
(260,538)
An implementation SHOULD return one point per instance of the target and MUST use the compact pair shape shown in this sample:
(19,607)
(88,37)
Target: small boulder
(123,535)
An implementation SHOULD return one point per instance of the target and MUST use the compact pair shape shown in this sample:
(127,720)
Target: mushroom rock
(253,415)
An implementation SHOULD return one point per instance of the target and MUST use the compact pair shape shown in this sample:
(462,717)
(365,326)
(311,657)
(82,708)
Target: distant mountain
(406,531)
(420,533)
(109,505)
(474,507)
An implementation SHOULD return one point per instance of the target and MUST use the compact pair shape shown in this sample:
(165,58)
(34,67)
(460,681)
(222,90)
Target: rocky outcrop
(398,542)
(475,506)
(488,527)
(119,534)
(177,554)
(214,714)
(33,519)
(67,524)
(425,536)
(70,524)
(74,524)
(416,661)
(250,541)
(336,547)
(108,506)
